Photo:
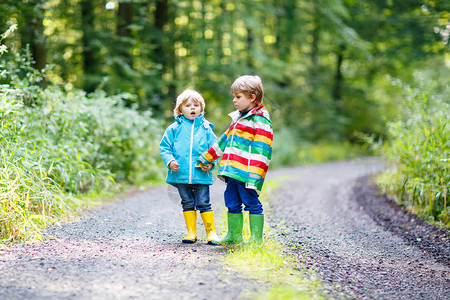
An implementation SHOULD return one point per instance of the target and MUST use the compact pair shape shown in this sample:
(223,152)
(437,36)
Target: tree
(163,55)
(89,52)
(325,64)
(32,32)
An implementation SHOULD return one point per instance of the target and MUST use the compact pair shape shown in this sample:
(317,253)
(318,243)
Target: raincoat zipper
(190,152)
(249,155)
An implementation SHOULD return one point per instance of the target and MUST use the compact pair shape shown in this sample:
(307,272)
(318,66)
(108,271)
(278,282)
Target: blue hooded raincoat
(184,141)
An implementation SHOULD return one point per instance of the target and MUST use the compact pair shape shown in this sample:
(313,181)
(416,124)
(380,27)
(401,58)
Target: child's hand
(207,167)
(174,166)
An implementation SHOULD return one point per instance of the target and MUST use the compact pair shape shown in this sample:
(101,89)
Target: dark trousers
(237,194)
(194,197)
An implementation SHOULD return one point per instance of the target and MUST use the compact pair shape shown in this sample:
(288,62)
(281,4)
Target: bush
(56,146)
(66,145)
(28,197)
(419,150)
(91,139)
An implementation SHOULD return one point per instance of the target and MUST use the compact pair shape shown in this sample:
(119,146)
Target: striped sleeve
(216,150)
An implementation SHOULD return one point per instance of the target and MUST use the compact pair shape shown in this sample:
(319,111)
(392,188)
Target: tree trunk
(315,41)
(161,19)
(125,14)
(218,28)
(164,53)
(32,34)
(286,22)
(338,77)
(89,51)
(250,40)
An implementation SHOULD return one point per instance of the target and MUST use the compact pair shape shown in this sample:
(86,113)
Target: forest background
(88,86)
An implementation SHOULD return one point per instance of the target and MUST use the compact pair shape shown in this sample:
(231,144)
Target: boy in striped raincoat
(246,150)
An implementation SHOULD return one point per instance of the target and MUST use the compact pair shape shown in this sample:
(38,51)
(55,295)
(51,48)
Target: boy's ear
(253,96)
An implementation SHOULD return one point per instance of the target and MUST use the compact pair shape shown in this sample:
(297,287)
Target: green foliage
(419,150)
(324,81)
(329,151)
(90,138)
(61,145)
(28,197)
(20,75)
(290,150)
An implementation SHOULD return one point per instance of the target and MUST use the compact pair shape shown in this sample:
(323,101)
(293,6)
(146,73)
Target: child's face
(191,109)
(243,102)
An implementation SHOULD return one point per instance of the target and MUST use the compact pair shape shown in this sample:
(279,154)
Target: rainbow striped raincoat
(246,148)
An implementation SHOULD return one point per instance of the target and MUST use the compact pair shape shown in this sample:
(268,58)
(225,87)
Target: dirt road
(361,245)
(131,248)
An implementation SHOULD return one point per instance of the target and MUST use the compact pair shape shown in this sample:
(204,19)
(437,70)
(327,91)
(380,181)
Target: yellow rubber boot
(190,217)
(208,221)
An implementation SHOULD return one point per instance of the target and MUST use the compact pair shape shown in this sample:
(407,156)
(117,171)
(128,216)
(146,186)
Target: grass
(327,151)
(275,269)
(271,264)
(418,149)
(294,152)
(63,154)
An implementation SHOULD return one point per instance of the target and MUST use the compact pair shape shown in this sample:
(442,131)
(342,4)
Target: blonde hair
(249,84)
(186,95)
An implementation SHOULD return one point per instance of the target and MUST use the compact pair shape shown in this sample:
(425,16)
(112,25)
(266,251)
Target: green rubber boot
(256,228)
(234,234)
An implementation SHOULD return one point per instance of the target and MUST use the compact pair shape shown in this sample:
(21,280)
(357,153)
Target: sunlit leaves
(62,145)
(420,151)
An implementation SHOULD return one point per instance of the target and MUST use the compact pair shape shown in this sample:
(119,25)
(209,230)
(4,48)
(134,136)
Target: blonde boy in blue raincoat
(183,142)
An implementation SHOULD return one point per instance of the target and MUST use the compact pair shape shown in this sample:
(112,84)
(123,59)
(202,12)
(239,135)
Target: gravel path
(131,248)
(361,244)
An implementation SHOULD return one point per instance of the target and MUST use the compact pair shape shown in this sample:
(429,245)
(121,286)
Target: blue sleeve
(166,146)
(212,139)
